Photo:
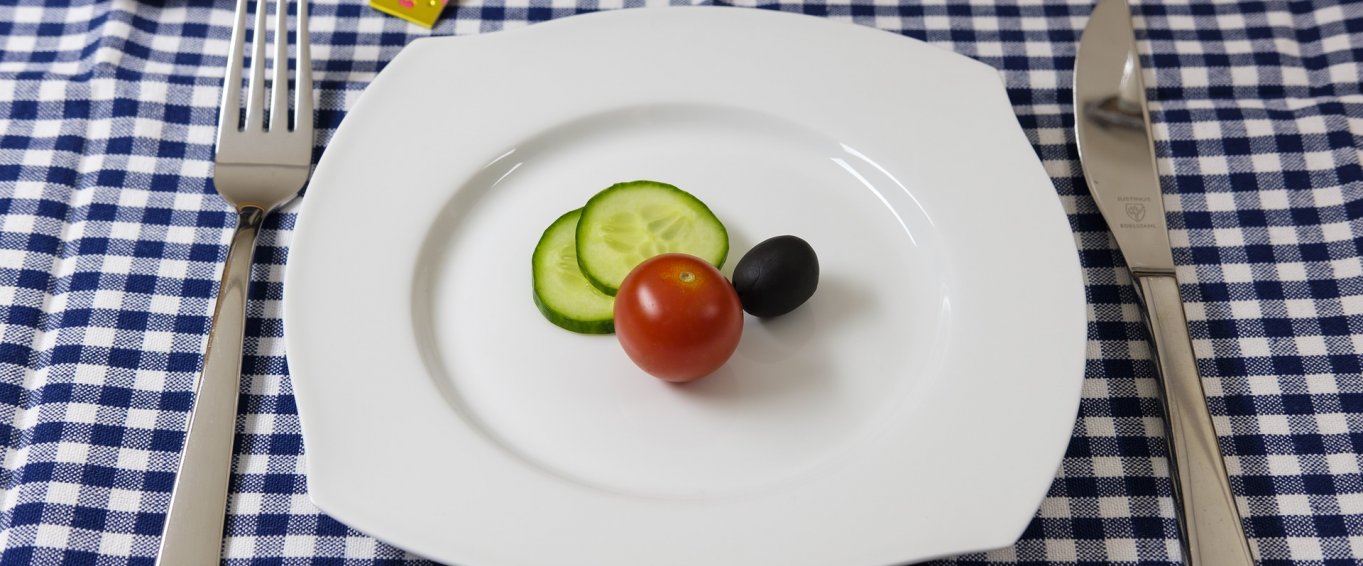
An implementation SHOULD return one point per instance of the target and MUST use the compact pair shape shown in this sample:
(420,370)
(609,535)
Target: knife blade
(1117,153)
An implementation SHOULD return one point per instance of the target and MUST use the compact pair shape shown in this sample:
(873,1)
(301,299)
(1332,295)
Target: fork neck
(250,217)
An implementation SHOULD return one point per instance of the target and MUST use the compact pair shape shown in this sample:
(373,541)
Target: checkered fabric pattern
(112,240)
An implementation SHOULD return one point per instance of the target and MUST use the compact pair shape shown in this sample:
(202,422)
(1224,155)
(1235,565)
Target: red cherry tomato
(677,317)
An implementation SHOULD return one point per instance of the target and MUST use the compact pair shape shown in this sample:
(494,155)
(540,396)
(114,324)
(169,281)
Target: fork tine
(229,113)
(279,92)
(302,121)
(255,103)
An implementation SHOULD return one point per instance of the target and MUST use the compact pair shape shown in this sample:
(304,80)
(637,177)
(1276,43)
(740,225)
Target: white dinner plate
(916,406)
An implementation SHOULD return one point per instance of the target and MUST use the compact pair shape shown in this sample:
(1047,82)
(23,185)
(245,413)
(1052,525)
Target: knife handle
(1208,519)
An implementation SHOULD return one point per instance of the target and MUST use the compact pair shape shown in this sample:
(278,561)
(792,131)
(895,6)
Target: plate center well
(800,390)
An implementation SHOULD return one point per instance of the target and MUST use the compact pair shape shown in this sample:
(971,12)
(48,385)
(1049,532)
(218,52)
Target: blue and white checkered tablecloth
(112,240)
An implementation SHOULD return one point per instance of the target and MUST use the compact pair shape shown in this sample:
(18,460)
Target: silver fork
(257,168)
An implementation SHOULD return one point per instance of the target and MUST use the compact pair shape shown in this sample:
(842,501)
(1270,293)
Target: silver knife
(1117,152)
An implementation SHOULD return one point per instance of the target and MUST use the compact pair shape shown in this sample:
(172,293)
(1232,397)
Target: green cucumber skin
(613,288)
(575,325)
(599,284)
(563,320)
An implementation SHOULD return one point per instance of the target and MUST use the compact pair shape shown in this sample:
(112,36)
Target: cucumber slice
(628,223)
(561,292)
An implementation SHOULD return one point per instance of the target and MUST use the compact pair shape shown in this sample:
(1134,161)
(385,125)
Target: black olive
(776,276)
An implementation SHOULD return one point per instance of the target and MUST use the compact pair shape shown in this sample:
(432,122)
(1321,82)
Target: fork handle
(198,502)
(1208,518)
